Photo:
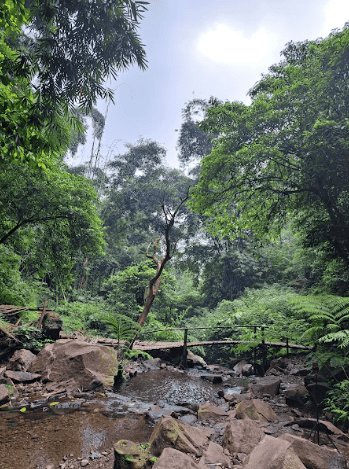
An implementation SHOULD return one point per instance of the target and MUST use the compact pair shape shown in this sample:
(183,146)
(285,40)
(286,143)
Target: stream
(46,432)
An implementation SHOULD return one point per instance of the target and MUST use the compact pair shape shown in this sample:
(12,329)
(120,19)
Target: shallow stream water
(46,432)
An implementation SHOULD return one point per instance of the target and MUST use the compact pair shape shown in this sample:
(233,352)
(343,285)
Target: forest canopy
(285,157)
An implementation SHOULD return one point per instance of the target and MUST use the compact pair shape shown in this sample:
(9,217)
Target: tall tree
(193,142)
(49,218)
(59,60)
(285,156)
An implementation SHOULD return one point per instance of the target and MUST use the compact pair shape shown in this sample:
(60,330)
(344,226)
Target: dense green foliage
(284,158)
(263,240)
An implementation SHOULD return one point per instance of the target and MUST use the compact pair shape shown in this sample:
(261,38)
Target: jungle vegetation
(254,227)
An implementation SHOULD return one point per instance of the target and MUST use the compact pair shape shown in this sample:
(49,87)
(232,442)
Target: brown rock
(173,459)
(247,370)
(239,366)
(52,325)
(179,435)
(325,426)
(21,360)
(270,454)
(255,409)
(241,436)
(90,365)
(296,395)
(128,455)
(22,376)
(214,455)
(207,411)
(281,362)
(267,385)
(195,360)
(314,456)
(69,385)
(4,394)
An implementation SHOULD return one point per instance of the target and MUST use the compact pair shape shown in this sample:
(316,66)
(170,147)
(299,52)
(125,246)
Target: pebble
(84,463)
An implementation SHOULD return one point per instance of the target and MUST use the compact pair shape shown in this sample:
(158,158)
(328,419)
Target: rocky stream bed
(59,410)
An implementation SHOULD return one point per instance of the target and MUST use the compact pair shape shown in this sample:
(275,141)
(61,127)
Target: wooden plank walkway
(148,346)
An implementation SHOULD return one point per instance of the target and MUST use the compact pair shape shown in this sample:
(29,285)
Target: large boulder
(170,433)
(314,456)
(90,366)
(255,409)
(273,453)
(174,459)
(241,436)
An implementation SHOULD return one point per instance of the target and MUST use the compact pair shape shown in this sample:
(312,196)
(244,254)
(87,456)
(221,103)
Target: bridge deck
(170,345)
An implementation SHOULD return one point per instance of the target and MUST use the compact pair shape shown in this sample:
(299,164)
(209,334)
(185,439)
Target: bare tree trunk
(170,247)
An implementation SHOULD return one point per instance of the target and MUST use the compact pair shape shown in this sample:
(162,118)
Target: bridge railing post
(264,350)
(255,351)
(185,348)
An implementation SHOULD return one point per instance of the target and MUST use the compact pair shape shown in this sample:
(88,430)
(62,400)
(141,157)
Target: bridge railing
(255,328)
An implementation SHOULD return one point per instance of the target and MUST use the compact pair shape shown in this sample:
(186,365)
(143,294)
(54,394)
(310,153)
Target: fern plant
(328,316)
(121,327)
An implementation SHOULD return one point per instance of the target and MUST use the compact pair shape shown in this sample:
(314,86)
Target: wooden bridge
(183,345)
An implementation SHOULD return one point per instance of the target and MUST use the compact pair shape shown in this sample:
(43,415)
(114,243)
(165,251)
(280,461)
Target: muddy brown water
(45,433)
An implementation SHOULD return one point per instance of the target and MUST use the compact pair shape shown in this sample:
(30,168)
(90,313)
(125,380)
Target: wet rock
(317,391)
(129,455)
(152,364)
(52,325)
(4,394)
(189,419)
(69,385)
(273,453)
(281,362)
(267,385)
(195,360)
(247,370)
(214,379)
(314,456)
(239,366)
(181,436)
(233,399)
(324,426)
(20,360)
(241,436)
(214,455)
(207,411)
(22,376)
(156,414)
(255,409)
(91,366)
(296,395)
(171,458)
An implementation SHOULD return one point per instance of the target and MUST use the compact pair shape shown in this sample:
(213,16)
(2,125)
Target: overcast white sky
(203,48)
